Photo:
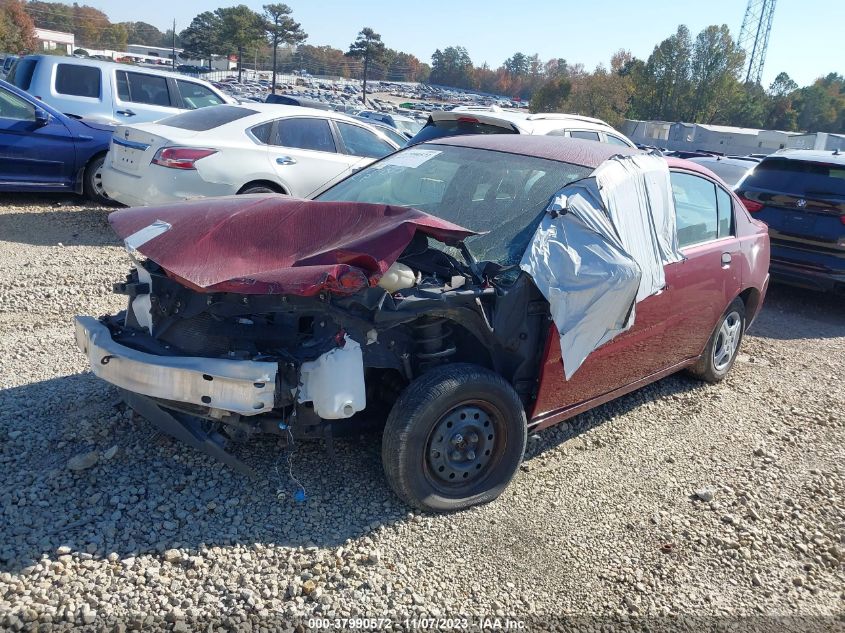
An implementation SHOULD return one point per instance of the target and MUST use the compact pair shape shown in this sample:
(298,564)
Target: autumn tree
(369,48)
(281,29)
(17,31)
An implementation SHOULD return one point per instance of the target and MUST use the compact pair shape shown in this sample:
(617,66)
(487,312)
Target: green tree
(55,16)
(551,96)
(114,37)
(281,29)
(202,39)
(715,66)
(143,33)
(369,47)
(240,28)
(452,67)
(517,65)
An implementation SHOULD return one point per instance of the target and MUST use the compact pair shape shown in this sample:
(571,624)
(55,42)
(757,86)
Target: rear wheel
(723,346)
(92,183)
(258,189)
(454,438)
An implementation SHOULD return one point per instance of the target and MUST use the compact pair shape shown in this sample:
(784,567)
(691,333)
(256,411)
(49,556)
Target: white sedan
(230,149)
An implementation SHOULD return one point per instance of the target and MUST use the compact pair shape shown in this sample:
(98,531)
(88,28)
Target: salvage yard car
(469,290)
(226,150)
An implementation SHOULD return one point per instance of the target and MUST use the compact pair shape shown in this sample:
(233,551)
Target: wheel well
(751,298)
(80,176)
(263,183)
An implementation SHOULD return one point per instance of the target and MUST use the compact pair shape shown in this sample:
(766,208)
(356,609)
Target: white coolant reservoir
(398,277)
(335,382)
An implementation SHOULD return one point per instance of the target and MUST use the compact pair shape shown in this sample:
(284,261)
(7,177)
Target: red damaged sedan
(467,290)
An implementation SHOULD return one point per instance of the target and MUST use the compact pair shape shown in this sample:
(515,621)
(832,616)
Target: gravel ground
(681,499)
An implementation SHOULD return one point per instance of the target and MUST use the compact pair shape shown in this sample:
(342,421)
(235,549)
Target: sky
(806,39)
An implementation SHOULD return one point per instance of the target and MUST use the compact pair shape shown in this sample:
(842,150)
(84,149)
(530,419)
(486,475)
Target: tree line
(685,78)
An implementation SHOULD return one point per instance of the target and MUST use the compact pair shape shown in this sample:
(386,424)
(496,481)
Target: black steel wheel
(454,438)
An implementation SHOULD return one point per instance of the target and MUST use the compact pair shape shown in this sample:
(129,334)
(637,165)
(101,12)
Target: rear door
(195,95)
(142,97)
(305,155)
(709,278)
(32,153)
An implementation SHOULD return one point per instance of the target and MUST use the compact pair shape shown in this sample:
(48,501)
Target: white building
(719,139)
(55,40)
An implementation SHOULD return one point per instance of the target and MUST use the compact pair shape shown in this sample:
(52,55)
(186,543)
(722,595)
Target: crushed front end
(209,366)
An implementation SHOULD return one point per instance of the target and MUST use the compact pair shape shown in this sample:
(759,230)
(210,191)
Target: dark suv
(800,194)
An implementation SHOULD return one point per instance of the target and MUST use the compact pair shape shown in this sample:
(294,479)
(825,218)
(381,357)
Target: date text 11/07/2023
(475,623)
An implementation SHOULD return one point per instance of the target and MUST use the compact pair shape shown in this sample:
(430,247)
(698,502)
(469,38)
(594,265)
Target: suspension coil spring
(433,337)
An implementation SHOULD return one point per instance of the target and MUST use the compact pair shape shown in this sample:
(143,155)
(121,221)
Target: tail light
(752,205)
(467,119)
(181,157)
(842,219)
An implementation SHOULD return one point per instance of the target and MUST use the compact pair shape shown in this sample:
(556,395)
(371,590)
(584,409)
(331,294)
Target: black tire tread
(431,387)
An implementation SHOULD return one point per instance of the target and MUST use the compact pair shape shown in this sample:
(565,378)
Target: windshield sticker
(410,158)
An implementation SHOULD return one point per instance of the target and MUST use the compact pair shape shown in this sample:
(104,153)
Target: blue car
(42,149)
(800,195)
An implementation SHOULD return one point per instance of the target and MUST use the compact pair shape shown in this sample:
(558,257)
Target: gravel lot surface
(680,499)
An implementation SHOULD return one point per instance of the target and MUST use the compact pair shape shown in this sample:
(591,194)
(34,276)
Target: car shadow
(65,224)
(811,314)
(156,494)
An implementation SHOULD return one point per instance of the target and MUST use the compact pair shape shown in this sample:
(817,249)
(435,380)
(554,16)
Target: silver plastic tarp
(601,248)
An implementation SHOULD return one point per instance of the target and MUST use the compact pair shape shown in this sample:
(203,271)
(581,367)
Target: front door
(32,153)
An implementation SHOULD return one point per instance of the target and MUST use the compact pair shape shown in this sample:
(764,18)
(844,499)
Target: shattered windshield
(500,194)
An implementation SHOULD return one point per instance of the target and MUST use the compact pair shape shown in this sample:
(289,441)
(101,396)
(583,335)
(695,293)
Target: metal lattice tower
(754,36)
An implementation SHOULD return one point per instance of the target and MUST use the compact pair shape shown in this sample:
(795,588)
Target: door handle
(285,160)
(126,112)
(726,259)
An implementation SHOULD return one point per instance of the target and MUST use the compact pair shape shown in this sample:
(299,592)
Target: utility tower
(754,36)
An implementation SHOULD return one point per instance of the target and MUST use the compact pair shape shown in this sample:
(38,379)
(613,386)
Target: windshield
(501,194)
(731,173)
(456,127)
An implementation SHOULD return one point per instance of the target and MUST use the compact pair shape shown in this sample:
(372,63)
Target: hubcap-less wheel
(727,341)
(462,444)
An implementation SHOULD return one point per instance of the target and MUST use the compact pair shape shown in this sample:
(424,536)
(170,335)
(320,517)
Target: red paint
(670,329)
(278,245)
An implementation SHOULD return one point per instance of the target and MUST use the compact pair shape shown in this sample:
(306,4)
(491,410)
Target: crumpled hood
(270,244)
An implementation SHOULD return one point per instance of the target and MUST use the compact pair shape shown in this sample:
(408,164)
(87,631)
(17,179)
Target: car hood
(260,244)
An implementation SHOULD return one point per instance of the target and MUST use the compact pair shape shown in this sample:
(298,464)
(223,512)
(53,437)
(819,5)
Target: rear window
(798,177)
(78,81)
(458,127)
(205,119)
(21,73)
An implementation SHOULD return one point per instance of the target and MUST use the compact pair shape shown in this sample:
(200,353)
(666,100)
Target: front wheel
(454,438)
(722,348)
(92,184)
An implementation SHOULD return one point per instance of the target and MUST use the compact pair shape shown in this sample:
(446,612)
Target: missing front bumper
(236,386)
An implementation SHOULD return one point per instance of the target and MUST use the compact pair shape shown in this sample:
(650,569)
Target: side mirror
(42,117)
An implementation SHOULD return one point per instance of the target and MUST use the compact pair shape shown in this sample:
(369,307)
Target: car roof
(523,120)
(82,61)
(737,162)
(558,148)
(812,155)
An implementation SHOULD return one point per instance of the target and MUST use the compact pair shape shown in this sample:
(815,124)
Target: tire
(454,438)
(92,182)
(257,189)
(722,348)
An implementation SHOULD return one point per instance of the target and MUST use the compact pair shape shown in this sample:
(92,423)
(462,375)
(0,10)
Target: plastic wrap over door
(579,265)
(635,191)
